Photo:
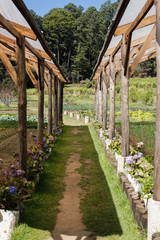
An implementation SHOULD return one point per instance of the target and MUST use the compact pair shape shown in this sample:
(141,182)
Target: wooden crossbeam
(139,18)
(133,43)
(145,22)
(27,32)
(4,22)
(8,65)
(32,77)
(143,49)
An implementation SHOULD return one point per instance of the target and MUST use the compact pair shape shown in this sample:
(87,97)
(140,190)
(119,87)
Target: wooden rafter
(139,18)
(27,32)
(8,65)
(143,49)
(145,22)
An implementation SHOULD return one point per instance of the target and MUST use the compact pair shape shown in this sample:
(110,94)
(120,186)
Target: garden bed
(136,177)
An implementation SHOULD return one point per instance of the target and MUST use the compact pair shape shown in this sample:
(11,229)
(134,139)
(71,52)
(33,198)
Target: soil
(69,225)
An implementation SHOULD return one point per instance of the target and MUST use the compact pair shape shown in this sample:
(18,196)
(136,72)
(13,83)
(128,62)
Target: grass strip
(40,213)
(129,229)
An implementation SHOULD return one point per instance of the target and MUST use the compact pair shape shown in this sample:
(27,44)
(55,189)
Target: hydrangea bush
(15,189)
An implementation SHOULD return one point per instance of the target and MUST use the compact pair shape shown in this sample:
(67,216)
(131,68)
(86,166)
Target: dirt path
(69,224)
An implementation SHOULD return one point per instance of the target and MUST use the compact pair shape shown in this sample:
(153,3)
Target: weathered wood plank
(55,102)
(40,100)
(112,100)
(22,106)
(100,101)
(125,97)
(156,195)
(105,100)
(50,104)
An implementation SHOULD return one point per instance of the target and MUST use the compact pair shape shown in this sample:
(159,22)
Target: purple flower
(129,160)
(140,154)
(135,157)
(12,167)
(30,152)
(35,139)
(40,154)
(114,138)
(12,175)
(20,172)
(5,173)
(107,134)
(46,146)
(44,140)
(34,157)
(15,183)
(13,190)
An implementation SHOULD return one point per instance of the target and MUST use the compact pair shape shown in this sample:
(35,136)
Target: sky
(41,7)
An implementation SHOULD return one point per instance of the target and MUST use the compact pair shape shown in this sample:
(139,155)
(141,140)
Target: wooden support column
(112,100)
(61,107)
(40,99)
(96,101)
(22,105)
(59,100)
(50,103)
(100,101)
(55,102)
(105,100)
(125,95)
(156,195)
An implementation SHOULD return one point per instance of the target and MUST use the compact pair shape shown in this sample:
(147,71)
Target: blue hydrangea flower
(140,154)
(34,157)
(13,190)
(114,138)
(46,146)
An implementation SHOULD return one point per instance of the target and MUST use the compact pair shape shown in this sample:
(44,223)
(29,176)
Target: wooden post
(61,107)
(50,103)
(100,101)
(125,95)
(22,105)
(112,101)
(59,101)
(96,101)
(55,109)
(156,195)
(40,99)
(105,100)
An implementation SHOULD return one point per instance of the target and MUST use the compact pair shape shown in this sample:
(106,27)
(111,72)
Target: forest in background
(75,37)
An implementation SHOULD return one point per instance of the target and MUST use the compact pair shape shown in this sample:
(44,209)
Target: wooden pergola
(133,37)
(21,41)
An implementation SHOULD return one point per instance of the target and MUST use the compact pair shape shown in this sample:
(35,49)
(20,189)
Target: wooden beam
(22,106)
(112,100)
(125,97)
(145,22)
(4,22)
(55,102)
(139,18)
(156,193)
(27,32)
(105,99)
(40,100)
(100,107)
(50,104)
(32,77)
(143,49)
(8,65)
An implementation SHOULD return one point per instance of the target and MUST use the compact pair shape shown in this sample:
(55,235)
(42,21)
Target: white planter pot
(108,142)
(78,117)
(86,119)
(120,163)
(101,133)
(71,114)
(8,220)
(136,185)
(65,113)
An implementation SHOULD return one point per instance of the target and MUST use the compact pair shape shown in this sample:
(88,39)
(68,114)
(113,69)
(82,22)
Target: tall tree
(59,25)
